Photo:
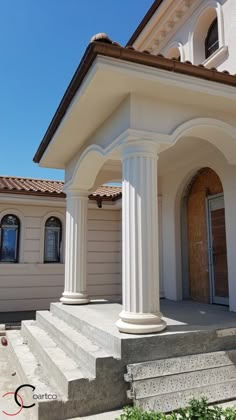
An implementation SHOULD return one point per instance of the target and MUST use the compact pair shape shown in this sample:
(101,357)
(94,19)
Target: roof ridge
(30,179)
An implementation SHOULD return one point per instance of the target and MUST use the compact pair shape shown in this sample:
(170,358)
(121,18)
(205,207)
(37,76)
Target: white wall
(31,284)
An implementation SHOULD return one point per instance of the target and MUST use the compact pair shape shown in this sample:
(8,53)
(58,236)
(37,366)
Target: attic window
(212,39)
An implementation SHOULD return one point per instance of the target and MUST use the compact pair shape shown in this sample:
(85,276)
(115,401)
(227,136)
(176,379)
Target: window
(212,39)
(52,242)
(9,242)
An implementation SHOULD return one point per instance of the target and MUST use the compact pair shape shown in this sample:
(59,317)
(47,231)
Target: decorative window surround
(217,58)
(207,5)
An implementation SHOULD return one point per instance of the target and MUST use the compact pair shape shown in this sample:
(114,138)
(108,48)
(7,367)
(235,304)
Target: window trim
(21,218)
(59,228)
(47,216)
(17,240)
(210,4)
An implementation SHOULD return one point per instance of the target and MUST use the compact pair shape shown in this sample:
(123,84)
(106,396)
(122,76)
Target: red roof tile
(44,187)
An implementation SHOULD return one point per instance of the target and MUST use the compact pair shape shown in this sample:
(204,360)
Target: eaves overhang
(120,55)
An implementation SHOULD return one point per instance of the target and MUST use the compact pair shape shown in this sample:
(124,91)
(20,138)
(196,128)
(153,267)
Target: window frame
(17,240)
(46,260)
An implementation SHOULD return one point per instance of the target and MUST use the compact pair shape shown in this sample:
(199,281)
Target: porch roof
(101,45)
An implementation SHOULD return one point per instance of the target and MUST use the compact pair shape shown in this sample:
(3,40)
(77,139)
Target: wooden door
(218,251)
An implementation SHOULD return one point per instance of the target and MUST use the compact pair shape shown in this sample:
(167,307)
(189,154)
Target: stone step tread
(90,325)
(172,401)
(175,365)
(65,364)
(183,381)
(31,370)
(71,334)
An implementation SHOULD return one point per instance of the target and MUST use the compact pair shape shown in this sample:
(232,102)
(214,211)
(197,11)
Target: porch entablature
(135,100)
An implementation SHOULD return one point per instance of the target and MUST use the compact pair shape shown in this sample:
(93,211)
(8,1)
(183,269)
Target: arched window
(212,39)
(52,241)
(10,234)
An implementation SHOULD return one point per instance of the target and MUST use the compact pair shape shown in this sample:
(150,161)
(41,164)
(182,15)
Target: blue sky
(41,44)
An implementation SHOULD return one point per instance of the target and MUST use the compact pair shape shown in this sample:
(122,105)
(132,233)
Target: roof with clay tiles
(45,187)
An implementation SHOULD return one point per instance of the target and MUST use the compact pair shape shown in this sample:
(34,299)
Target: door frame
(213,299)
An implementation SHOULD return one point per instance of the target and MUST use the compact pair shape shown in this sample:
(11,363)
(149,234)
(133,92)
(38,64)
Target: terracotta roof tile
(44,187)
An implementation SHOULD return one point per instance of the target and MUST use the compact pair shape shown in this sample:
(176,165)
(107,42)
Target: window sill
(217,58)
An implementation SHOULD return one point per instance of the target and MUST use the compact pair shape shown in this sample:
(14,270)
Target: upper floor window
(9,243)
(52,241)
(212,39)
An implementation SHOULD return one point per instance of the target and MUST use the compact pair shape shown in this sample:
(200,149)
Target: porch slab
(191,328)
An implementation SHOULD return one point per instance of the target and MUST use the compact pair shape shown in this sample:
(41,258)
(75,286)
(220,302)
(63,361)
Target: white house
(160,115)
(170,125)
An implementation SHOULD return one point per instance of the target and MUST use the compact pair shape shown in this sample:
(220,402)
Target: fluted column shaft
(76,248)
(140,251)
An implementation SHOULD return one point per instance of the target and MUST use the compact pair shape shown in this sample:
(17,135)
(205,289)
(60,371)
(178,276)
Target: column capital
(76,193)
(142,148)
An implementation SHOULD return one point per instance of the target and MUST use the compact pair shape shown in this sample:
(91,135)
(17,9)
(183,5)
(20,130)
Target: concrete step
(172,401)
(175,365)
(184,381)
(89,355)
(64,371)
(30,371)
(40,362)
(84,322)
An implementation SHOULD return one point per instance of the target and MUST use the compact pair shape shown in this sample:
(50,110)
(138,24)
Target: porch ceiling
(108,82)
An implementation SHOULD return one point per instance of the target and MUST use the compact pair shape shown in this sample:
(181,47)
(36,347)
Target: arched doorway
(206,239)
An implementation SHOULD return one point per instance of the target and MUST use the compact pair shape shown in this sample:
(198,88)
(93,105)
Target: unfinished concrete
(78,353)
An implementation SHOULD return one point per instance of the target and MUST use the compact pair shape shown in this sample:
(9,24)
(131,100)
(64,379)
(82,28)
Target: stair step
(65,372)
(93,332)
(89,355)
(175,365)
(30,371)
(183,381)
(172,401)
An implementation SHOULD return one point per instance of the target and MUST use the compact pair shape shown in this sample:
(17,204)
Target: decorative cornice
(167,25)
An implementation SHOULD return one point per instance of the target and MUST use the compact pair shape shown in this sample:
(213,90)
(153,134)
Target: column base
(74,298)
(135,323)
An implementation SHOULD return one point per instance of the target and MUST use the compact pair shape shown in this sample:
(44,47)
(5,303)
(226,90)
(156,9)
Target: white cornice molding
(164,24)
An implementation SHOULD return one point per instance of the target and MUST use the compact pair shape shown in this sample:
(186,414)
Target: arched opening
(205,36)
(204,239)
(52,240)
(9,238)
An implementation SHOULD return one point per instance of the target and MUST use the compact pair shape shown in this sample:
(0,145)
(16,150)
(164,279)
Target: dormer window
(212,39)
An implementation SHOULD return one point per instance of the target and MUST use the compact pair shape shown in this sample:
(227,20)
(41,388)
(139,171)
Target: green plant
(196,410)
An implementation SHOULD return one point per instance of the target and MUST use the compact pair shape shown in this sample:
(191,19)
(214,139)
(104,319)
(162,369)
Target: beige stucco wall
(31,284)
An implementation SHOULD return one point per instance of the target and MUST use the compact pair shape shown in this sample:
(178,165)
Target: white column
(76,248)
(140,251)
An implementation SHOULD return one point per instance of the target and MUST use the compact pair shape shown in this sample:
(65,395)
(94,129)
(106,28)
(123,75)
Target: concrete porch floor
(191,328)
(181,316)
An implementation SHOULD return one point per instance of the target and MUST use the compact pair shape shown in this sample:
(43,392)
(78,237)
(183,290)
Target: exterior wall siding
(32,285)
